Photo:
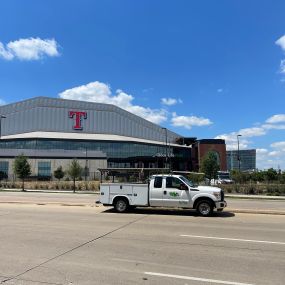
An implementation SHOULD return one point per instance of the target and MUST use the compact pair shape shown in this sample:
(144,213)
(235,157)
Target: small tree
(22,168)
(210,165)
(74,171)
(271,175)
(58,173)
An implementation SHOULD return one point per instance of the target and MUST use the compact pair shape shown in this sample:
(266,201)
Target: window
(173,182)
(4,166)
(44,168)
(157,182)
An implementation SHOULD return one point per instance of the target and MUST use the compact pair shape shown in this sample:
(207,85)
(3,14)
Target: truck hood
(208,189)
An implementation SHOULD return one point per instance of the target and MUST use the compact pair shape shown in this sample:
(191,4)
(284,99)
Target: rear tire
(205,208)
(121,205)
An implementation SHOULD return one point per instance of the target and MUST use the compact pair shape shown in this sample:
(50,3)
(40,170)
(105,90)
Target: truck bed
(138,194)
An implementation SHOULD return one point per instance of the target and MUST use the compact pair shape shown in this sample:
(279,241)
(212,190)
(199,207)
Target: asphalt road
(84,245)
(90,199)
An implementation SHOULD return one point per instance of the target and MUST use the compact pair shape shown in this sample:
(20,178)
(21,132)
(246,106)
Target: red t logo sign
(78,118)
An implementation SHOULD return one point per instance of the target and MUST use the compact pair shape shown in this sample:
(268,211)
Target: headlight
(217,195)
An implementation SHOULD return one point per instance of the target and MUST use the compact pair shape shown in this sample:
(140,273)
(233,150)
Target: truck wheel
(205,208)
(121,205)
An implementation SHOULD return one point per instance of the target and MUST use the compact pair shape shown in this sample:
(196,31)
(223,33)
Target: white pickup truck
(169,191)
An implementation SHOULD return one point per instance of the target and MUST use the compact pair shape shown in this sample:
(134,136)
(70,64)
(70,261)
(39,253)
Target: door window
(173,182)
(157,182)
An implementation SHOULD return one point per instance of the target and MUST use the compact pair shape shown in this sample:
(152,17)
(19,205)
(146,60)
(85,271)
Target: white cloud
(4,53)
(170,101)
(279,145)
(2,102)
(282,66)
(273,127)
(189,121)
(252,132)
(276,152)
(29,49)
(220,90)
(279,118)
(261,151)
(232,142)
(101,93)
(281,42)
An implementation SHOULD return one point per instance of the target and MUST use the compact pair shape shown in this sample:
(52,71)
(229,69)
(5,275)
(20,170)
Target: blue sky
(201,68)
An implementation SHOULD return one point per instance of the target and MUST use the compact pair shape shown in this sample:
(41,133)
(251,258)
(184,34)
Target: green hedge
(53,185)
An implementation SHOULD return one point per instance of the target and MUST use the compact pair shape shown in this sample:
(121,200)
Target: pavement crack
(73,249)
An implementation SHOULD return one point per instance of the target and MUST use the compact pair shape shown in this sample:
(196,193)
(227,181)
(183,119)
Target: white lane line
(195,278)
(236,239)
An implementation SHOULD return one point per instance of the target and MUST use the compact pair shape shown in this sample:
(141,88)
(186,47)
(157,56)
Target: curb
(49,203)
(48,191)
(245,197)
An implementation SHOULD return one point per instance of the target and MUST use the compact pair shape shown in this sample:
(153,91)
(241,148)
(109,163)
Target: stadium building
(51,132)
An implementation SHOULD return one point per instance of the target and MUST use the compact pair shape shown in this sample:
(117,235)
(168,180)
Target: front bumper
(221,205)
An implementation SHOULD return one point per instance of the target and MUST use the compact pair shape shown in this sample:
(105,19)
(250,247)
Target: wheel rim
(121,206)
(204,208)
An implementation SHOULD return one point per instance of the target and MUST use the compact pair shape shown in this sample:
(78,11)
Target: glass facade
(119,154)
(247,160)
(4,166)
(44,168)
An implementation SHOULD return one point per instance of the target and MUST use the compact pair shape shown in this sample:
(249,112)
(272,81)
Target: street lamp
(1,117)
(86,164)
(238,156)
(165,147)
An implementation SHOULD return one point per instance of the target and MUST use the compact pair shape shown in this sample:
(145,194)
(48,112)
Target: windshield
(188,182)
(224,176)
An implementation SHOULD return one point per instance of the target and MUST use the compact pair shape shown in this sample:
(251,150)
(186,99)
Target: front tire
(121,205)
(205,208)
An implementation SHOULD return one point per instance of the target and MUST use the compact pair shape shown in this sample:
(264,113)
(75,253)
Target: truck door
(156,192)
(174,194)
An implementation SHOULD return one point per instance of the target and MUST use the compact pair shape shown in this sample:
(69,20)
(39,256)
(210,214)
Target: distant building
(247,159)
(201,147)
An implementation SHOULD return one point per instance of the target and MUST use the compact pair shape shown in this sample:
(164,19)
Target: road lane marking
(195,278)
(235,239)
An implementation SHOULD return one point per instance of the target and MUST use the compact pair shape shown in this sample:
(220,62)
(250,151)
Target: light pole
(86,164)
(1,117)
(165,147)
(238,156)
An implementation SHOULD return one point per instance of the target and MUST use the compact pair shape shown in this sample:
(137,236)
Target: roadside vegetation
(269,182)
(52,185)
